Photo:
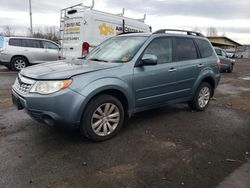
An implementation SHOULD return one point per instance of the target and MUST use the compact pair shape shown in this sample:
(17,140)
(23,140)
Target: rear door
(187,64)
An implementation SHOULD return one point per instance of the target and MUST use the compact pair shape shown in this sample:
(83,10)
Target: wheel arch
(14,56)
(206,77)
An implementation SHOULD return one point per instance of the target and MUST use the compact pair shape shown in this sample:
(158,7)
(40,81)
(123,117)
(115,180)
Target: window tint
(204,47)
(185,49)
(49,45)
(15,42)
(31,43)
(162,48)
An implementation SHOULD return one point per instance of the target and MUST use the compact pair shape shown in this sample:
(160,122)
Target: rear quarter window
(204,47)
(15,42)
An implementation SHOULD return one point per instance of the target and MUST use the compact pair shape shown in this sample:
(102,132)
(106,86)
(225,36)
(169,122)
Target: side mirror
(149,59)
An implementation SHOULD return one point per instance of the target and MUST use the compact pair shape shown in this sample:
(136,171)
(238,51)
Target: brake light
(85,48)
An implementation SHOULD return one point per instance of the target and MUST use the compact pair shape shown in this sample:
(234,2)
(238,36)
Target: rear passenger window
(15,42)
(31,43)
(185,49)
(162,48)
(204,47)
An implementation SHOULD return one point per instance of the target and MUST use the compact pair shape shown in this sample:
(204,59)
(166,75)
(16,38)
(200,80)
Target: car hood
(64,69)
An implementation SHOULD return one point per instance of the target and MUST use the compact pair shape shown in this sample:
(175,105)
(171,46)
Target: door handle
(172,70)
(200,65)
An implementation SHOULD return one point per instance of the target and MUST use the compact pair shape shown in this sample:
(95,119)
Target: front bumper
(62,108)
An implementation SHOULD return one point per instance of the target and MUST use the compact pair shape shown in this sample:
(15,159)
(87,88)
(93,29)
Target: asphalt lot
(167,147)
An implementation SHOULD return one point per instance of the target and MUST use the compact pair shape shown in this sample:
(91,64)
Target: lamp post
(31,27)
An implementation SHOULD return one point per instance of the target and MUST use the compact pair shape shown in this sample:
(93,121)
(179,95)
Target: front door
(153,83)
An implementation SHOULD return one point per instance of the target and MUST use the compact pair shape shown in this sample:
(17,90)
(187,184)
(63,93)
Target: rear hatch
(72,37)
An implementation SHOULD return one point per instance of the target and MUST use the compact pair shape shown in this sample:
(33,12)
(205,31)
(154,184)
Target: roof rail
(179,30)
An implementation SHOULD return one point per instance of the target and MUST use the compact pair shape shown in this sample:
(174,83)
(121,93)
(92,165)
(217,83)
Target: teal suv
(124,75)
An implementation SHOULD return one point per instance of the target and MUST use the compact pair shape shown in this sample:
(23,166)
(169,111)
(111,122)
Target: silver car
(17,53)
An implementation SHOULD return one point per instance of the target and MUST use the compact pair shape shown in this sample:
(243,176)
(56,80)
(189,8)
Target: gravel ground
(166,147)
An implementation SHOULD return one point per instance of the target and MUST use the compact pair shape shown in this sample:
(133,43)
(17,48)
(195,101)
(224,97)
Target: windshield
(1,41)
(117,49)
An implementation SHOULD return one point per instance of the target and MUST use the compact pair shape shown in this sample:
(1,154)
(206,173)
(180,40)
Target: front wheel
(202,97)
(103,118)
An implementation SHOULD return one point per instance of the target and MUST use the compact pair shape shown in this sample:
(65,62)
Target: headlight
(47,87)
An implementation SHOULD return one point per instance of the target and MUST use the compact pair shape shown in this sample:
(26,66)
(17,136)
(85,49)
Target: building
(241,51)
(224,42)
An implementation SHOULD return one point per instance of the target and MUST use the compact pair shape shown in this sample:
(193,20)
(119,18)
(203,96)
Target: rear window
(1,41)
(204,47)
(185,49)
(15,42)
(31,43)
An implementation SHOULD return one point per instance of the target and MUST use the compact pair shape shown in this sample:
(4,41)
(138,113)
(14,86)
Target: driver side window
(162,48)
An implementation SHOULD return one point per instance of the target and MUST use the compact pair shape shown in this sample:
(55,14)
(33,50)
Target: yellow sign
(105,29)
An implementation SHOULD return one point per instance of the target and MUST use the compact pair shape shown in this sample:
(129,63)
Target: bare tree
(50,33)
(212,31)
(8,31)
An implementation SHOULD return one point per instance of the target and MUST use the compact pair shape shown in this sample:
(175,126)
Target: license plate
(16,102)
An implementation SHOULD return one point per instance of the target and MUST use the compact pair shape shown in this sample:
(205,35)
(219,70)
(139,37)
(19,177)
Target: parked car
(83,28)
(17,53)
(226,64)
(124,75)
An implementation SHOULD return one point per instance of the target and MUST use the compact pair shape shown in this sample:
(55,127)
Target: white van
(83,28)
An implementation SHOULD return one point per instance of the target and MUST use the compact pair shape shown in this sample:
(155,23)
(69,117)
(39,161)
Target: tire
(197,104)
(96,124)
(18,63)
(230,69)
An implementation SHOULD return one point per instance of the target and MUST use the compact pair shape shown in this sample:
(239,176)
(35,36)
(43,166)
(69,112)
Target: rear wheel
(18,63)
(202,97)
(103,118)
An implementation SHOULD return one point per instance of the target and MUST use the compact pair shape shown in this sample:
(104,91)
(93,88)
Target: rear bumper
(61,108)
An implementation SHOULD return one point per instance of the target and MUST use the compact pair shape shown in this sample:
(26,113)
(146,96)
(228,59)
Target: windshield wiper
(95,59)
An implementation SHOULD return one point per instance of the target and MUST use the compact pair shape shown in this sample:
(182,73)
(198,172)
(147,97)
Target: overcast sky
(231,17)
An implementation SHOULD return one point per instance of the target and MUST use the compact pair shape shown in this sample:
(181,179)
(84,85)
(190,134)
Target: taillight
(218,62)
(85,48)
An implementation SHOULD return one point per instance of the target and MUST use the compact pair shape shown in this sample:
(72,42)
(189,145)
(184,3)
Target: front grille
(23,85)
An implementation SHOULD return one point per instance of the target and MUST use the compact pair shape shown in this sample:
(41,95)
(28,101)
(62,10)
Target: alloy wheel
(105,119)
